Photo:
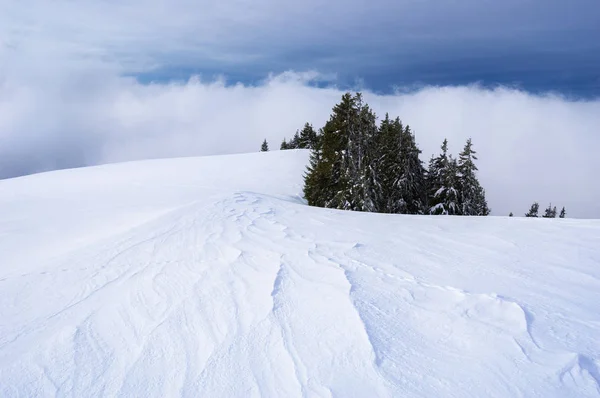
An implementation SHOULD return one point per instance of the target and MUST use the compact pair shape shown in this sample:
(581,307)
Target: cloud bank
(531,148)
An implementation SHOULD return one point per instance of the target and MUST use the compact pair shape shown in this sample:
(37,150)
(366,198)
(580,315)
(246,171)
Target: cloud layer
(65,100)
(531,147)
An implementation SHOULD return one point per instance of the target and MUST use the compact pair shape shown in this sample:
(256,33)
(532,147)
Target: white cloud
(530,147)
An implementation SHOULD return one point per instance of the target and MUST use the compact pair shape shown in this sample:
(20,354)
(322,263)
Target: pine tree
(511,214)
(411,181)
(295,141)
(387,166)
(340,174)
(265,146)
(472,195)
(308,137)
(563,213)
(533,210)
(482,206)
(325,182)
(284,145)
(443,184)
(361,131)
(550,212)
(317,180)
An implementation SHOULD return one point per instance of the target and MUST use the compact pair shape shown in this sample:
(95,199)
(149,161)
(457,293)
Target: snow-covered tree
(284,145)
(386,166)
(341,173)
(472,195)
(533,210)
(265,146)
(411,181)
(326,180)
(361,132)
(563,213)
(443,183)
(550,212)
(308,137)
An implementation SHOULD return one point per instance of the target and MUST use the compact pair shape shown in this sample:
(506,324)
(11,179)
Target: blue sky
(97,81)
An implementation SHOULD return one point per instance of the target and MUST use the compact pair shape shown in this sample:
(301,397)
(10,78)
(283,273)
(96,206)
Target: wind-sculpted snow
(210,277)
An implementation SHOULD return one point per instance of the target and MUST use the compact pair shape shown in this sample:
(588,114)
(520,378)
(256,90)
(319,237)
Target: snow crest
(166,278)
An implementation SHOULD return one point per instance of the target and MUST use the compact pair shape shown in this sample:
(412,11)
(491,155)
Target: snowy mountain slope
(208,277)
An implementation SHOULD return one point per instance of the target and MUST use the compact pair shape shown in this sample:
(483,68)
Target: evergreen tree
(284,145)
(472,195)
(265,146)
(533,210)
(295,141)
(308,137)
(387,166)
(317,179)
(563,213)
(411,181)
(361,132)
(550,212)
(443,184)
(326,182)
(340,174)
(511,214)
(482,206)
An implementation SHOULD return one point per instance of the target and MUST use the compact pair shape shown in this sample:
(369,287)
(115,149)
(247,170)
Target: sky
(98,81)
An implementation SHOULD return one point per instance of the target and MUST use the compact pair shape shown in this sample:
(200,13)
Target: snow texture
(210,277)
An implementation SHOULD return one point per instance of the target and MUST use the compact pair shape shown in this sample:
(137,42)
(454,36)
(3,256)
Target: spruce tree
(284,145)
(340,174)
(387,166)
(411,181)
(533,210)
(295,141)
(472,195)
(443,184)
(361,131)
(482,206)
(308,137)
(326,182)
(550,212)
(563,213)
(265,146)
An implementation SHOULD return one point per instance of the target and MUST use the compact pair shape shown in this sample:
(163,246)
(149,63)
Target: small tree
(533,210)
(265,146)
(307,138)
(563,213)
(511,214)
(550,212)
(284,145)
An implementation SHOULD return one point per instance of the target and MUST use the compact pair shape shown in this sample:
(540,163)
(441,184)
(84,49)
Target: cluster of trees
(304,139)
(550,211)
(358,165)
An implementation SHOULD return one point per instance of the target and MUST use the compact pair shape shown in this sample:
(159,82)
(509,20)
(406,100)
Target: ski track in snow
(227,285)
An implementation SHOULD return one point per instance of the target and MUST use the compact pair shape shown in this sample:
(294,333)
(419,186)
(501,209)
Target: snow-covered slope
(208,277)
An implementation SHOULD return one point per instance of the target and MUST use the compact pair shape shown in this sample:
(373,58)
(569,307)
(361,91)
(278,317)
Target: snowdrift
(209,277)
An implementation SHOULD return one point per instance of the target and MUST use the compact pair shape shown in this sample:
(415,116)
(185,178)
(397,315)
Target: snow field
(210,277)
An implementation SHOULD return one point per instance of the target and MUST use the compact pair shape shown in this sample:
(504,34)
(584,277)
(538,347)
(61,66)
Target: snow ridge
(194,283)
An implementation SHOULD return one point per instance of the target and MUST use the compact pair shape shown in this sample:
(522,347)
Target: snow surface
(209,277)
